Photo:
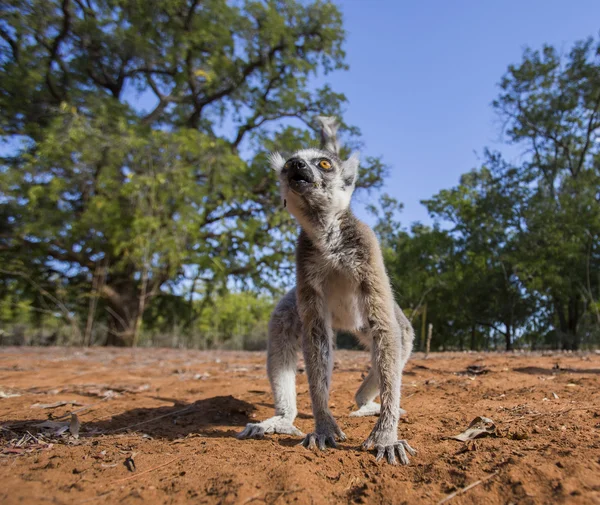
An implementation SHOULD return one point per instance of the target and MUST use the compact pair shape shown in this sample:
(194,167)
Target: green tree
(115,201)
(515,251)
(550,105)
(482,216)
(458,277)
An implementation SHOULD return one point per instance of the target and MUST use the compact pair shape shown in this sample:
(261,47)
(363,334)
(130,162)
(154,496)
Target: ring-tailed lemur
(341,285)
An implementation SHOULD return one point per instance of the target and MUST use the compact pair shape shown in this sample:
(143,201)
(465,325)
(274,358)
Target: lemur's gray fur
(341,285)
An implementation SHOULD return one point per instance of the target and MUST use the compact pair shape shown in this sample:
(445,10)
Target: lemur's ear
(350,169)
(329,127)
(276,161)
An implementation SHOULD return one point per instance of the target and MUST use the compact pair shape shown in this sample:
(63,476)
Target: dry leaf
(54,405)
(55,428)
(479,427)
(74,425)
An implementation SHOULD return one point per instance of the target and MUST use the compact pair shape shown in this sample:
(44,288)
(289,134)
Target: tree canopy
(515,250)
(138,134)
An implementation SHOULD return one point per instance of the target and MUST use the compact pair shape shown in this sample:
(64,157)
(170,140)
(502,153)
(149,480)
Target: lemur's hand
(326,433)
(386,443)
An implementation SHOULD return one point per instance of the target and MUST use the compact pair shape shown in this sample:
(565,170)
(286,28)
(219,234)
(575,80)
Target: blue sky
(423,75)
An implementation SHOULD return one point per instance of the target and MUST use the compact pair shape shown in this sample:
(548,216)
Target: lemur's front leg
(282,356)
(387,342)
(318,356)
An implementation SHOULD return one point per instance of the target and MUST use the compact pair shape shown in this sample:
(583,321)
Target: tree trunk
(569,322)
(573,323)
(429,335)
(423,326)
(562,324)
(117,337)
(473,335)
(122,305)
(121,324)
(141,307)
(508,338)
(97,281)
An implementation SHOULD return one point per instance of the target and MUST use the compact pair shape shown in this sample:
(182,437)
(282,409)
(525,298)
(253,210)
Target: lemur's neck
(328,232)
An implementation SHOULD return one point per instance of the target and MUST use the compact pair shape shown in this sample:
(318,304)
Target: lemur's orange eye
(324,164)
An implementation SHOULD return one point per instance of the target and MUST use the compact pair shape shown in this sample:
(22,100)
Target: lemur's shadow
(205,417)
(182,419)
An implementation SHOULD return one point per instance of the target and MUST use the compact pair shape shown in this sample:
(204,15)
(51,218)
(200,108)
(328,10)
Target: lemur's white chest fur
(347,311)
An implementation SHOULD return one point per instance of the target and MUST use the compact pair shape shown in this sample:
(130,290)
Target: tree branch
(163,100)
(54,49)
(14,46)
(590,129)
(490,325)
(246,72)
(190,15)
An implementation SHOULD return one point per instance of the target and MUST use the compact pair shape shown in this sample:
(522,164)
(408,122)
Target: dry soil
(159,426)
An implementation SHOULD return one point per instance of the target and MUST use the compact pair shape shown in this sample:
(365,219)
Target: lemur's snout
(295,164)
(300,176)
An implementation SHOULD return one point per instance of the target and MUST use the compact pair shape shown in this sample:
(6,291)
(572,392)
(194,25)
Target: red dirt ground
(176,413)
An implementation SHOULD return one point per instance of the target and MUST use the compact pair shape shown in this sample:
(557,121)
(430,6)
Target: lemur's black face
(315,182)
(305,174)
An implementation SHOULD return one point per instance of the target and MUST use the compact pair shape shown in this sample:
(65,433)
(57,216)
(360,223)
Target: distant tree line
(514,256)
(136,206)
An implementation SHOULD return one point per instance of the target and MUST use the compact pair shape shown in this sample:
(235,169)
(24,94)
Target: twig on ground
(85,407)
(131,477)
(465,489)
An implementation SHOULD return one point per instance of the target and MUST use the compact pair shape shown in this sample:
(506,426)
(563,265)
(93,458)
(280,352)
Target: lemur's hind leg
(285,331)
(365,395)
(369,389)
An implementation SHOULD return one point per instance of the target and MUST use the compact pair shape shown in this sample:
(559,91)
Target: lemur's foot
(325,434)
(370,409)
(277,424)
(386,443)
(389,451)
(314,440)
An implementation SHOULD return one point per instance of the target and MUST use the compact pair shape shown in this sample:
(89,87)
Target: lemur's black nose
(295,164)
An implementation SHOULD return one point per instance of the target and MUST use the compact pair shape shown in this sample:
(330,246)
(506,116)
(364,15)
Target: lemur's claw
(322,440)
(252,430)
(389,451)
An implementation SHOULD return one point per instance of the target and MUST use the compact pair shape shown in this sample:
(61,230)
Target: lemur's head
(316,182)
